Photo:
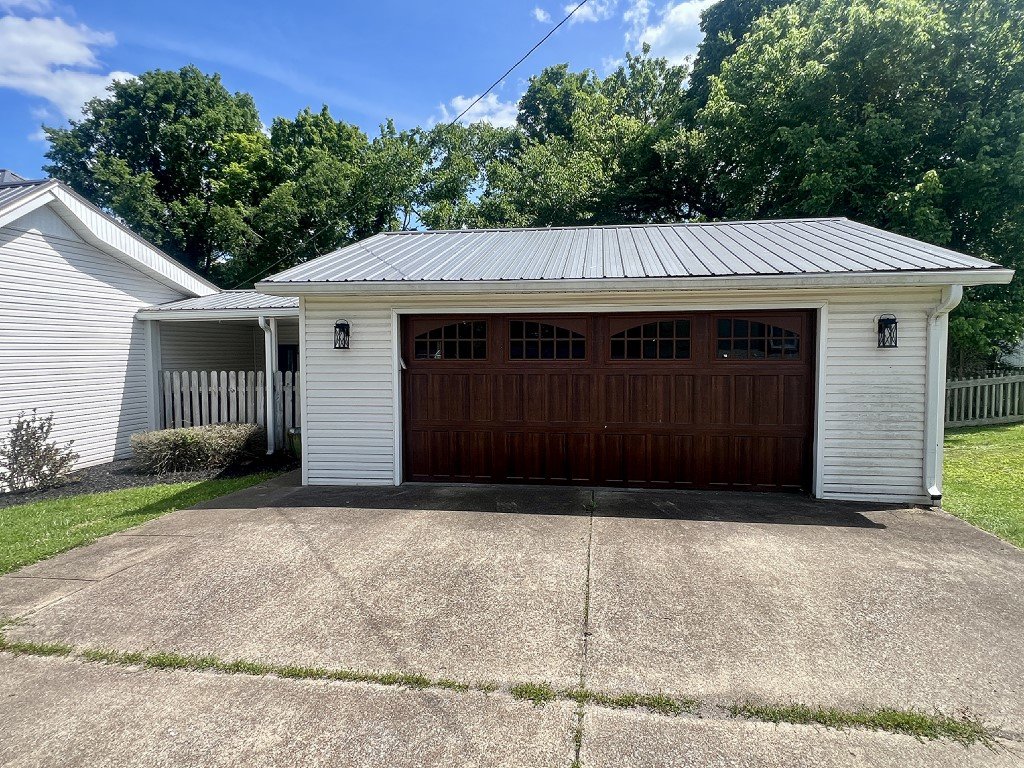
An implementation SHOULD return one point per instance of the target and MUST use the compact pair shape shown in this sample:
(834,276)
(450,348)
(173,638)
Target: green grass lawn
(31,532)
(983,481)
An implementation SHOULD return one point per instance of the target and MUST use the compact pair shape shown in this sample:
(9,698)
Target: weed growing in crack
(538,693)
(963,728)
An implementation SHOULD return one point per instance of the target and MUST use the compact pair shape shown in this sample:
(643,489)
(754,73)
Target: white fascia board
(188,315)
(741,282)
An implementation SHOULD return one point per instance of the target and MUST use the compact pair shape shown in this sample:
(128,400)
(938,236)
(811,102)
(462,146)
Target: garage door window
(531,340)
(466,340)
(743,339)
(662,340)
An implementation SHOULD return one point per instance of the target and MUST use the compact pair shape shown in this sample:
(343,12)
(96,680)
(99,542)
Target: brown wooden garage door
(685,400)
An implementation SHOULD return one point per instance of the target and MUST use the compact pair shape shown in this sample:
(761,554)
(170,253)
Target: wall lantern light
(887,332)
(342,334)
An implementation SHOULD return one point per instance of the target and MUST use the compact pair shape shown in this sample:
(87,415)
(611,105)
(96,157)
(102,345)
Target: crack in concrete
(585,629)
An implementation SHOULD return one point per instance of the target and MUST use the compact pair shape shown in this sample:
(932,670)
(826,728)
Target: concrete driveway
(722,598)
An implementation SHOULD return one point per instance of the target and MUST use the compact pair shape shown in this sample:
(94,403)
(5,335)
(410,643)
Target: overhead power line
(461,115)
(525,56)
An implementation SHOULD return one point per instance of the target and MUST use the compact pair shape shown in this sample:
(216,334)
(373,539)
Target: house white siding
(872,401)
(349,419)
(69,340)
(875,400)
(211,346)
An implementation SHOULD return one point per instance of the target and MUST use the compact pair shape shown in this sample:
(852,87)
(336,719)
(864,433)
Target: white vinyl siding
(69,340)
(873,400)
(210,346)
(229,345)
(350,418)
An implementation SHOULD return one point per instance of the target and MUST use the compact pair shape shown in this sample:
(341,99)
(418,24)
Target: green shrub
(194,448)
(30,459)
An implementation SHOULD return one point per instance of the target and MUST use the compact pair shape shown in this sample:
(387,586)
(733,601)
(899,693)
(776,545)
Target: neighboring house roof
(239,304)
(12,191)
(10,177)
(800,247)
(100,230)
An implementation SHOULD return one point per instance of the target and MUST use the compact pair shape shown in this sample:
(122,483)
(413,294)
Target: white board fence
(996,399)
(198,398)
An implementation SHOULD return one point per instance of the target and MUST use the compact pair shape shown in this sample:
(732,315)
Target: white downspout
(935,392)
(268,377)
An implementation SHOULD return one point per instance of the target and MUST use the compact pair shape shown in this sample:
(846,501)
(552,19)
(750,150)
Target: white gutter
(268,365)
(205,315)
(935,390)
(985,276)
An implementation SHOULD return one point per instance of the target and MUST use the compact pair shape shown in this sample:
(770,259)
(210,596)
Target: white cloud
(28,6)
(636,17)
(51,59)
(541,15)
(595,10)
(490,109)
(677,33)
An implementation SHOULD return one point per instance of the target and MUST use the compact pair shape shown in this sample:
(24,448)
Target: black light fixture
(887,338)
(342,334)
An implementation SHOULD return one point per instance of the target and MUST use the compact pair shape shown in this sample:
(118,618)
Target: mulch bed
(118,475)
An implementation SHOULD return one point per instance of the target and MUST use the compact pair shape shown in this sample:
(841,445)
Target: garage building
(802,355)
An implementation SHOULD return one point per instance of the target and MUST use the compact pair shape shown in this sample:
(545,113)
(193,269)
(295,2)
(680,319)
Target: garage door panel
(558,398)
(614,401)
(535,397)
(583,402)
(481,398)
(471,456)
(692,411)
(794,401)
(792,457)
(718,394)
(743,394)
(459,397)
(509,391)
(580,453)
(683,406)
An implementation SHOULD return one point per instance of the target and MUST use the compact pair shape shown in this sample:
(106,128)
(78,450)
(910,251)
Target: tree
(149,153)
(905,114)
(588,150)
(724,24)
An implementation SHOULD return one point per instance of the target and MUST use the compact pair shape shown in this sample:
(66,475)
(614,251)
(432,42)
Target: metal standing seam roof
(781,247)
(12,192)
(228,300)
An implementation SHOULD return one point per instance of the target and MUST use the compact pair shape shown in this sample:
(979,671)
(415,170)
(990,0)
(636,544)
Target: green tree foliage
(298,192)
(149,153)
(724,24)
(588,152)
(905,114)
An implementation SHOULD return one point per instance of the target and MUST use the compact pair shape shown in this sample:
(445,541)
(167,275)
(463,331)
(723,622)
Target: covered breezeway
(228,357)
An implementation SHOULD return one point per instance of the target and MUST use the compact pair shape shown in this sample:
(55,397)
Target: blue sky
(413,61)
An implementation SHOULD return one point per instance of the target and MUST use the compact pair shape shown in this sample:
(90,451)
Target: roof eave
(187,315)
(905,278)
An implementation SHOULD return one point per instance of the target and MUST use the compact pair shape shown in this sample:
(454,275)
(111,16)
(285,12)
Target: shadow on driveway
(639,503)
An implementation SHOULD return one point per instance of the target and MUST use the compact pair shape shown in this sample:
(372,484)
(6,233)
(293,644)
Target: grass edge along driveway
(983,480)
(37,530)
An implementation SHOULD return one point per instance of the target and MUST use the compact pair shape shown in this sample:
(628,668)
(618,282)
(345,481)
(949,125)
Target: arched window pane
(740,339)
(465,340)
(662,340)
(531,340)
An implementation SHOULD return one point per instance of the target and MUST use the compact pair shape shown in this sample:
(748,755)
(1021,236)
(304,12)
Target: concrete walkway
(721,597)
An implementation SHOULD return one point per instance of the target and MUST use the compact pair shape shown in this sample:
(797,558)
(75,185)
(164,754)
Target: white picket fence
(993,399)
(198,398)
